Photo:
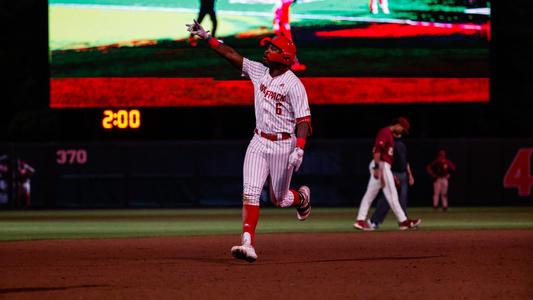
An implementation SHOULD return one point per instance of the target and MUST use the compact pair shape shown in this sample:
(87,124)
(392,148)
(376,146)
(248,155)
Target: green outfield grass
(38,225)
(88,23)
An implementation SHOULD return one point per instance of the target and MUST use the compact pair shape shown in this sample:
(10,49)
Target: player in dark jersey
(439,170)
(207,7)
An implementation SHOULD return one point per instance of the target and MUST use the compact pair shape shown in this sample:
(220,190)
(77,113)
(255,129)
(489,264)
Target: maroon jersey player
(382,179)
(440,170)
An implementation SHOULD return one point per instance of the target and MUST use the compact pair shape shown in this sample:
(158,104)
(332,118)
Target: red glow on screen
(168,92)
(418,28)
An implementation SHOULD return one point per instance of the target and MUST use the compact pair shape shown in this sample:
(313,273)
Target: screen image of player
(125,53)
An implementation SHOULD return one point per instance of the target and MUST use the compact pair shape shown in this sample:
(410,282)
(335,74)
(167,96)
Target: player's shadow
(48,288)
(217,260)
(356,259)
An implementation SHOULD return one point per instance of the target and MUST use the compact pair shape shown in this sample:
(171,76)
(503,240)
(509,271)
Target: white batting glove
(198,30)
(296,158)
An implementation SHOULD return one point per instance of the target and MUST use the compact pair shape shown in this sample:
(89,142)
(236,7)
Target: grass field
(76,224)
(88,23)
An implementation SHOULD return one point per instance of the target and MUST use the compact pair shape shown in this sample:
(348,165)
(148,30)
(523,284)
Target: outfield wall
(209,173)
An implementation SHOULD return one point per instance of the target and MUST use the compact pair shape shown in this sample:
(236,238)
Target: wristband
(213,42)
(300,142)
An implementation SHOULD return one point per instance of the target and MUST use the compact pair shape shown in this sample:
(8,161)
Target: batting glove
(198,30)
(296,158)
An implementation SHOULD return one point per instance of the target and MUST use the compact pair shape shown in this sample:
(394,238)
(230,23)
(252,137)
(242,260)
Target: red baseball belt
(273,136)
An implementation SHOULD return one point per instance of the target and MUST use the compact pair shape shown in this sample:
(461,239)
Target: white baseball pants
(263,158)
(389,191)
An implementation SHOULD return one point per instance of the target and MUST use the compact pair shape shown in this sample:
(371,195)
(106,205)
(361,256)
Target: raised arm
(222,49)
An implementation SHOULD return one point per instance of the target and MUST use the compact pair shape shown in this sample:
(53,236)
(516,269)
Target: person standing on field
(207,7)
(440,170)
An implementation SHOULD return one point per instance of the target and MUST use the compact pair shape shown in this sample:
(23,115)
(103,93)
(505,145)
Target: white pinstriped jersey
(278,101)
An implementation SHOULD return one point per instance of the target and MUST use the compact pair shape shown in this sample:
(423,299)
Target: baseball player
(384,4)
(207,7)
(381,177)
(403,178)
(282,26)
(440,169)
(25,172)
(283,123)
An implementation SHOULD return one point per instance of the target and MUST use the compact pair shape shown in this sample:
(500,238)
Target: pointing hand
(198,30)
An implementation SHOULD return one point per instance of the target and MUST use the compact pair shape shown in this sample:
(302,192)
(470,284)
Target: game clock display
(121,119)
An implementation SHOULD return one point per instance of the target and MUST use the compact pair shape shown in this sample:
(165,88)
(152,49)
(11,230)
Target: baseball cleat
(362,225)
(373,225)
(304,210)
(410,224)
(244,252)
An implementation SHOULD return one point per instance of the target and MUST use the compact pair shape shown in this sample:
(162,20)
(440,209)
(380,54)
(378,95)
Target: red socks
(297,198)
(250,217)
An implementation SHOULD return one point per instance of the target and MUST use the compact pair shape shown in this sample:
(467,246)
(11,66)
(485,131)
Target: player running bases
(381,177)
(281,107)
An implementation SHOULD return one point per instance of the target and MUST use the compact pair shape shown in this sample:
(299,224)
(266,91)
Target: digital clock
(122,118)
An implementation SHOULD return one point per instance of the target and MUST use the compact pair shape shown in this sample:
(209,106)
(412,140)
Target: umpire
(403,177)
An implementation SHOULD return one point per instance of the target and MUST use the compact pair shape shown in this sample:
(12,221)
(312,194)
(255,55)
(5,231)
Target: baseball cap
(404,122)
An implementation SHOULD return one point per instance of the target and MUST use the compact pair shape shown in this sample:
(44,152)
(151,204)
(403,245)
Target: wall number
(518,174)
(71,156)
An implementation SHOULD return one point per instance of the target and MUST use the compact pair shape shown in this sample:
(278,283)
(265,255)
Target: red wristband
(300,142)
(213,42)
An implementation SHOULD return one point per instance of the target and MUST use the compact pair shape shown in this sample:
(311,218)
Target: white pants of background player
(384,4)
(440,190)
(389,191)
(263,158)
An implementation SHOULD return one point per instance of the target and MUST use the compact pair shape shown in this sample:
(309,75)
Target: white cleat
(304,210)
(244,252)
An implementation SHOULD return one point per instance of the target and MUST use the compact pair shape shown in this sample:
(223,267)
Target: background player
(440,169)
(381,177)
(282,26)
(23,180)
(384,4)
(403,178)
(275,151)
(207,7)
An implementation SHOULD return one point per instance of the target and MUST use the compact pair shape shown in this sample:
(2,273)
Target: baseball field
(465,253)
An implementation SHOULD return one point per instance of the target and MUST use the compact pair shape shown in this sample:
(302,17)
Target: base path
(362,265)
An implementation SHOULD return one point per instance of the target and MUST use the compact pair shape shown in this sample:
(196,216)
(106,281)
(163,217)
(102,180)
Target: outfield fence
(209,173)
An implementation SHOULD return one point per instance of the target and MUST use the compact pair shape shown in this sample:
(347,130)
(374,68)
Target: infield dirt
(371,265)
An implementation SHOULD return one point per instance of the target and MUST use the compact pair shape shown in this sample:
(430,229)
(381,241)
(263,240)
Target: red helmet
(288,50)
